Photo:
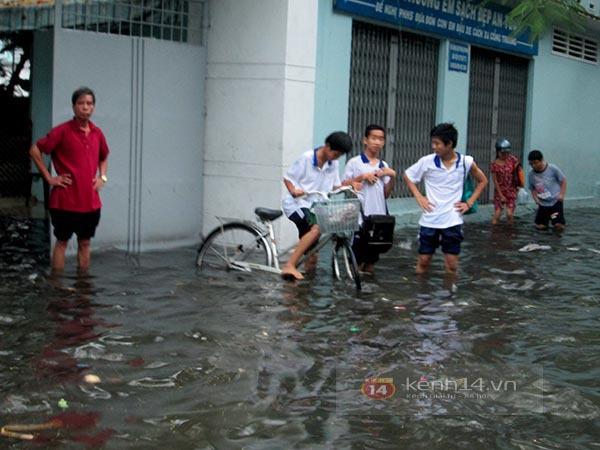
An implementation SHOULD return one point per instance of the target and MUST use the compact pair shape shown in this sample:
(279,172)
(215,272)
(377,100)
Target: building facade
(207,107)
(539,96)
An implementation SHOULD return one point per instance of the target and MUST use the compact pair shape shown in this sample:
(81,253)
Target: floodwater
(189,360)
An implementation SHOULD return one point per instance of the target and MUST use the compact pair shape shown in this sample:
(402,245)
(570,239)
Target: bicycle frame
(268,235)
(273,257)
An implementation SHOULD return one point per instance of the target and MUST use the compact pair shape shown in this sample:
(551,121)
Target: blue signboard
(457,19)
(458,57)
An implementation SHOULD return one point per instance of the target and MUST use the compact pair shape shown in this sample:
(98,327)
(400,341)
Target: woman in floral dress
(505,185)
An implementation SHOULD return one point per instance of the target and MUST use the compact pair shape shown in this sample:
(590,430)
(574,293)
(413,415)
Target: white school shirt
(306,174)
(372,196)
(443,188)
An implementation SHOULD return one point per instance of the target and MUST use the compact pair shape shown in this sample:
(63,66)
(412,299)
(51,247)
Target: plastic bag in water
(523,196)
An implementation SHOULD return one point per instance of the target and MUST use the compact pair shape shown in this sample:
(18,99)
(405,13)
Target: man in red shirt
(79,155)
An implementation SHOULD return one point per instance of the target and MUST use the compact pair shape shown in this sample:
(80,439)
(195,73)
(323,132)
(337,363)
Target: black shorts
(303,224)
(66,223)
(553,214)
(449,238)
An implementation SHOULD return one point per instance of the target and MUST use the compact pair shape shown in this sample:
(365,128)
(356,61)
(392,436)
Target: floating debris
(534,247)
(91,378)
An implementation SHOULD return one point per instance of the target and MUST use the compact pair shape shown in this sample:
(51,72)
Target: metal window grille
(393,83)
(574,46)
(160,19)
(418,60)
(171,20)
(26,18)
(497,107)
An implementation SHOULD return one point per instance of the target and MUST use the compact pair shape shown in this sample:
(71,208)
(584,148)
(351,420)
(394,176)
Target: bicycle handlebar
(327,194)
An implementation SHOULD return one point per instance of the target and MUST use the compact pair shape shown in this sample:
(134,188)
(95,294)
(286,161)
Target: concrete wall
(332,87)
(562,104)
(110,78)
(149,103)
(333,90)
(565,95)
(453,96)
(259,102)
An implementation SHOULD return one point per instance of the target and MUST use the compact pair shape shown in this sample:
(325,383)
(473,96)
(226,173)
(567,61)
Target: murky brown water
(230,361)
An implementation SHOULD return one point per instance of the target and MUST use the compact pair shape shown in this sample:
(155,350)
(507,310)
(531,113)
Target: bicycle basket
(337,216)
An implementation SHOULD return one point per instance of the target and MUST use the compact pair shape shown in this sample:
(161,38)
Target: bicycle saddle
(268,214)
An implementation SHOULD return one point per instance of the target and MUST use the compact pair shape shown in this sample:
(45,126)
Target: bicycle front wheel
(233,243)
(344,262)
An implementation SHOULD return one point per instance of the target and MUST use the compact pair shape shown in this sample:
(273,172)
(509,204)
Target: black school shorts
(66,223)
(553,214)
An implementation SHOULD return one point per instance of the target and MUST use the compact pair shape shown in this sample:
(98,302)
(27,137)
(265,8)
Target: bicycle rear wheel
(344,262)
(231,243)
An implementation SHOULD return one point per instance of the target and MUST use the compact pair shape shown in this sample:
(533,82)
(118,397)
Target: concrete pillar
(453,96)
(259,103)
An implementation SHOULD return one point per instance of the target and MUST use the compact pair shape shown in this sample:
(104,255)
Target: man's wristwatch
(104,178)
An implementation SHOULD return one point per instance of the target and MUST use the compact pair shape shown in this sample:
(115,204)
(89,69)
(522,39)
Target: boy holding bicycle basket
(315,170)
(377,181)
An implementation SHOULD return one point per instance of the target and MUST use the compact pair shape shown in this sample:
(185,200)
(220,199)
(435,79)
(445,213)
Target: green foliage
(11,83)
(539,16)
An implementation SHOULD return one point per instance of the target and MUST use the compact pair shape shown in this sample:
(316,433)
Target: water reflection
(227,360)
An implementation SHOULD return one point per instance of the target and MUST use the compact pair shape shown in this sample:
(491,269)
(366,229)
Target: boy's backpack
(468,189)
(519,176)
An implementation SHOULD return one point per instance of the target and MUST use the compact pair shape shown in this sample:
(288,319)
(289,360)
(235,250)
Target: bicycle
(244,245)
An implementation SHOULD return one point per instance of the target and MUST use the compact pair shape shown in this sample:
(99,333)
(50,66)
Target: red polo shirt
(79,155)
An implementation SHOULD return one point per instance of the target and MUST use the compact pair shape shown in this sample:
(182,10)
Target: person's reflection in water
(425,282)
(72,309)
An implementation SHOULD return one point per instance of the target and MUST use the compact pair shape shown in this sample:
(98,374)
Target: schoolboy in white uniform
(443,173)
(377,181)
(315,170)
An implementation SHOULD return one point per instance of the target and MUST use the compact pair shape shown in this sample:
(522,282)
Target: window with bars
(171,20)
(574,46)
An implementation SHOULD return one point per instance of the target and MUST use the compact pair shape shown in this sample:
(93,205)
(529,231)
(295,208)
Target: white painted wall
(334,52)
(453,96)
(149,104)
(565,95)
(259,103)
(107,70)
(171,211)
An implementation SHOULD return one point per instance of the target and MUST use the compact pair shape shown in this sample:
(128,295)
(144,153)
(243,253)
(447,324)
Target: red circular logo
(378,388)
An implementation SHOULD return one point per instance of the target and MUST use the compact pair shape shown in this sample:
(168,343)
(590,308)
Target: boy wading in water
(315,170)
(548,186)
(443,173)
(375,180)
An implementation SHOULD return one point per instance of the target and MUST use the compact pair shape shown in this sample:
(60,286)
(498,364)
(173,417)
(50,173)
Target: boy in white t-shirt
(443,173)
(377,181)
(315,170)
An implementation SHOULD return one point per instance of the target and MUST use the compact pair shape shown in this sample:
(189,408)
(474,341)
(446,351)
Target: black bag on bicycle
(378,229)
